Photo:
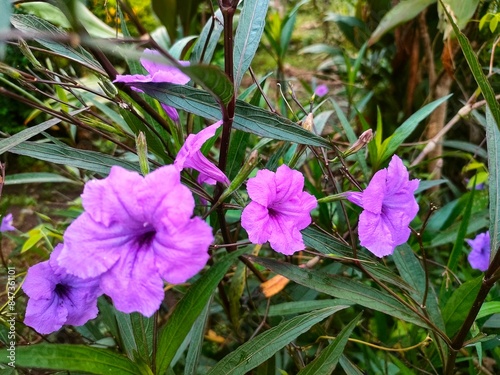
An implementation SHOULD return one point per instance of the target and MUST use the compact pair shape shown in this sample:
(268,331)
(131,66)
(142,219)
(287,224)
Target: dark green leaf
(343,287)
(196,344)
(5,13)
(299,307)
(236,154)
(248,34)
(166,11)
(187,311)
(212,79)
(477,71)
(400,13)
(458,306)
(326,362)
(75,358)
(209,37)
(37,178)
(248,118)
(391,144)
(256,351)
(14,140)
(32,25)
(65,155)
(493,141)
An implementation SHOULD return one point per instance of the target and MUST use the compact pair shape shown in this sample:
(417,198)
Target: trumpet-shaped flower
(321,90)
(190,156)
(279,209)
(479,257)
(57,298)
(6,225)
(388,206)
(135,232)
(158,72)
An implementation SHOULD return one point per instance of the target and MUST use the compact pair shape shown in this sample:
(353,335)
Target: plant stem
(459,339)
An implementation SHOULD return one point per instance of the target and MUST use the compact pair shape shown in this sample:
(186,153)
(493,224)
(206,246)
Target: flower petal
(376,234)
(163,72)
(133,283)
(36,284)
(373,195)
(182,254)
(45,315)
(255,220)
(262,188)
(285,237)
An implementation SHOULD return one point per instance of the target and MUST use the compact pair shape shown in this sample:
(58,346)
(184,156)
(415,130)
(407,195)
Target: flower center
(145,239)
(272,212)
(61,290)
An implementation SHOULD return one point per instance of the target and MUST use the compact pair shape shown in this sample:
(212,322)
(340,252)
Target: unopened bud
(362,141)
(142,152)
(26,51)
(241,177)
(308,123)
(108,88)
(11,72)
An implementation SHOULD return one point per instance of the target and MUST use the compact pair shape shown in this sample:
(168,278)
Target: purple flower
(57,298)
(135,232)
(6,225)
(388,208)
(479,257)
(190,156)
(158,73)
(321,90)
(279,209)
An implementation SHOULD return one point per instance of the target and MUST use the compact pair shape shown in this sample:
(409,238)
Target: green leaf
(299,307)
(248,118)
(14,140)
(212,79)
(477,71)
(65,155)
(37,178)
(248,34)
(166,11)
(236,154)
(343,287)
(493,142)
(456,252)
(477,222)
(196,344)
(326,362)
(287,27)
(209,37)
(5,13)
(32,25)
(458,306)
(489,308)
(75,358)
(188,309)
(391,144)
(329,245)
(256,351)
(402,12)
(136,333)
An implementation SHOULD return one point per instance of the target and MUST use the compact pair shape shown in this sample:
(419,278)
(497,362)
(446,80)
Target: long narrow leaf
(248,118)
(248,35)
(75,358)
(343,287)
(391,144)
(209,37)
(493,141)
(256,351)
(14,140)
(172,334)
(326,362)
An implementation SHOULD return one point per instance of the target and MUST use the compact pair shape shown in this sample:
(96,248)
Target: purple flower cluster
(389,206)
(479,257)
(135,233)
(279,209)
(157,73)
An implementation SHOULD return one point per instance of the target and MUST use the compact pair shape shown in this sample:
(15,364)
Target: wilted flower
(57,298)
(190,156)
(279,209)
(479,257)
(321,90)
(389,206)
(136,231)
(158,72)
(6,225)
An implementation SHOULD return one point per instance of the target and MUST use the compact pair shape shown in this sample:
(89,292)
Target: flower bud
(308,123)
(142,152)
(26,51)
(362,141)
